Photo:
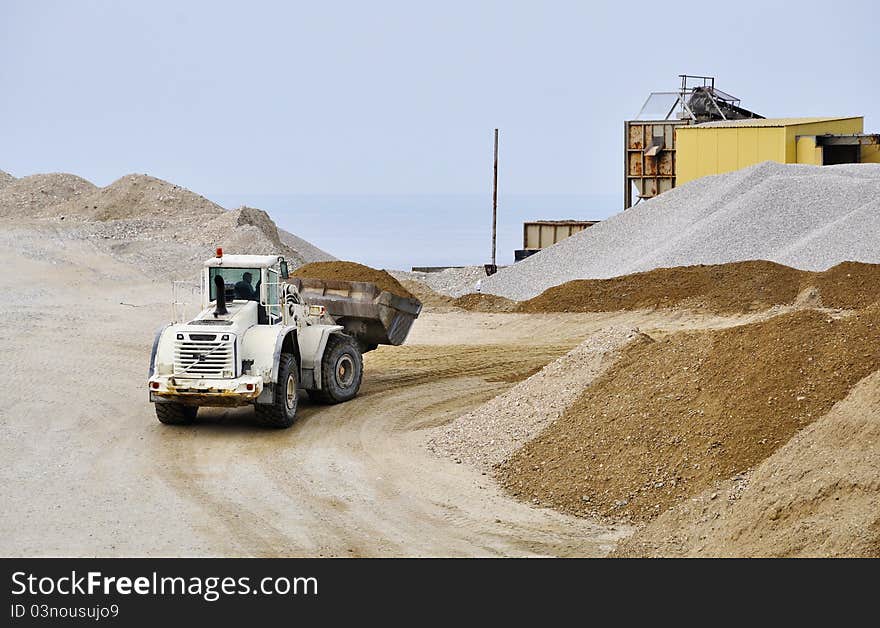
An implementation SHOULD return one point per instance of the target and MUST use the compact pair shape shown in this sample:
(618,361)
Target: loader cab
(247,278)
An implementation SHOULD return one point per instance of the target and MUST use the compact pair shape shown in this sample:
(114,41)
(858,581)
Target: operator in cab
(244,290)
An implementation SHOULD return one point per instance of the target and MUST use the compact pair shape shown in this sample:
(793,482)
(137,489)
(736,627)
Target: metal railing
(274,309)
(183,295)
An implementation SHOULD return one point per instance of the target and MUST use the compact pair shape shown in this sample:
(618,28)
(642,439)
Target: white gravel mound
(452,282)
(808,217)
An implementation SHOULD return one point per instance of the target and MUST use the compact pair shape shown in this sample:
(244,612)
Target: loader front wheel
(171,413)
(282,411)
(342,369)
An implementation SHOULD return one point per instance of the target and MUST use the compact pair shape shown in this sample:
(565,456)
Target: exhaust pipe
(220,287)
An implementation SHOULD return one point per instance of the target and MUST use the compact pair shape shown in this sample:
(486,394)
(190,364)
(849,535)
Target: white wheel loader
(261,337)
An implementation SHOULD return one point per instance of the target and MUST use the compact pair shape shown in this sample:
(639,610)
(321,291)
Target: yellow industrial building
(699,130)
(724,146)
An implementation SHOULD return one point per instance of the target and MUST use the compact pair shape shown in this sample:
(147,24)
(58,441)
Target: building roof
(243,261)
(569,221)
(766,122)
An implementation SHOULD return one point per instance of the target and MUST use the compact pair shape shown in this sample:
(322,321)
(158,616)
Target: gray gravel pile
(34,196)
(807,217)
(174,245)
(245,227)
(488,435)
(452,282)
(5,179)
(140,196)
(162,228)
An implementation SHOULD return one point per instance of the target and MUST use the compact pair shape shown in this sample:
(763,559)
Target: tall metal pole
(494,199)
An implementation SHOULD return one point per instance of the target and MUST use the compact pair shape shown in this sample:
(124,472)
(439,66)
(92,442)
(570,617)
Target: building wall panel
(728,151)
(846,126)
(871,154)
(771,145)
(807,152)
(747,147)
(707,151)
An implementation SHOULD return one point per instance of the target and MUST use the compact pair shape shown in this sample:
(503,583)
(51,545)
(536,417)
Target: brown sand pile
(5,179)
(672,417)
(478,302)
(849,285)
(42,195)
(352,271)
(819,495)
(721,288)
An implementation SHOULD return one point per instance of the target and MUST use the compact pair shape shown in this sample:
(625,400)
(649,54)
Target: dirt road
(89,471)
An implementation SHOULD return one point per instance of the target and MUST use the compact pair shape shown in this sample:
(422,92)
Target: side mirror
(284,273)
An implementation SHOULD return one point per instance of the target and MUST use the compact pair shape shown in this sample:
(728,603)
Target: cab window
(242,284)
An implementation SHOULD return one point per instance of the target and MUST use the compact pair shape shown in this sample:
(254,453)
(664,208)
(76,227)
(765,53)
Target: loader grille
(204,358)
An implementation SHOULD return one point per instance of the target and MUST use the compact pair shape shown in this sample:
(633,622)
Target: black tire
(282,411)
(171,413)
(342,369)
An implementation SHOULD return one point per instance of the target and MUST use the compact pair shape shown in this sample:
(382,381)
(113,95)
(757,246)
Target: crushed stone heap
(806,217)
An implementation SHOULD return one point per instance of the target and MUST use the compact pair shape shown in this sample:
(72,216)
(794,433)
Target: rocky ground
(712,410)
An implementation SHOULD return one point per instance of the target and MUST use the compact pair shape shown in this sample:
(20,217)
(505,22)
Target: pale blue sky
(241,98)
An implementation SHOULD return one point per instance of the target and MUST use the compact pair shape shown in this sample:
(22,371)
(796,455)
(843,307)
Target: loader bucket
(372,316)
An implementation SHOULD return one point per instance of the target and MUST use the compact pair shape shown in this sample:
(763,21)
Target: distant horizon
(252,193)
(392,101)
(467,244)
(398,231)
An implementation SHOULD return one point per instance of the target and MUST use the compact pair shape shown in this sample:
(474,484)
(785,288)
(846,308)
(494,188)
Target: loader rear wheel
(171,413)
(282,411)
(342,369)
